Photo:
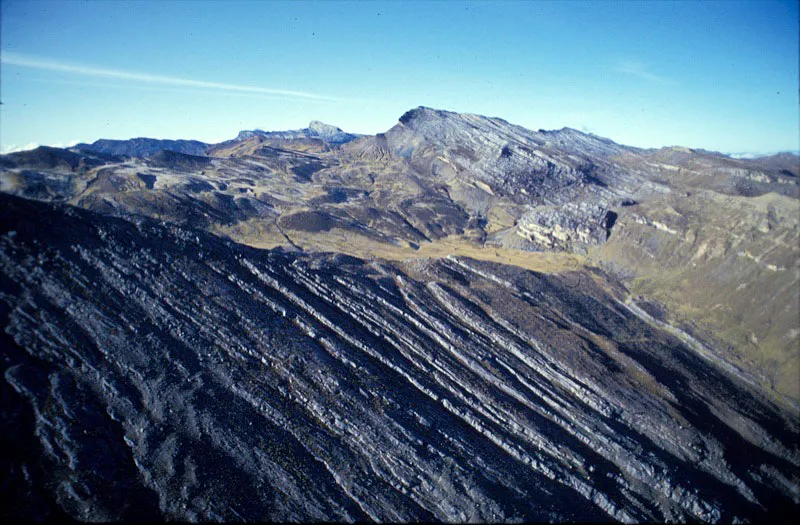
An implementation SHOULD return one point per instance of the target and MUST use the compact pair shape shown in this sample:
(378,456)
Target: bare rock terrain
(169,374)
(459,319)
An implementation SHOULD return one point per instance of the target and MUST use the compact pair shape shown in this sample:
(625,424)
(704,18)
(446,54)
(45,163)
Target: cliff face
(153,371)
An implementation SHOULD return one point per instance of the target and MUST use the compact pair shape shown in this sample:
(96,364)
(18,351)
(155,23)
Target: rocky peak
(495,152)
(315,130)
(439,124)
(322,129)
(422,113)
(246,134)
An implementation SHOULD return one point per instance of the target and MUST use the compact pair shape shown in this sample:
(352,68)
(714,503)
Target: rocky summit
(315,130)
(456,320)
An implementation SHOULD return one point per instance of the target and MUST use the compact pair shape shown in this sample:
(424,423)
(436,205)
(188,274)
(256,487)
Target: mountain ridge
(142,146)
(335,135)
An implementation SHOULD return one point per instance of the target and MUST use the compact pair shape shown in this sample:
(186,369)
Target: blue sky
(715,75)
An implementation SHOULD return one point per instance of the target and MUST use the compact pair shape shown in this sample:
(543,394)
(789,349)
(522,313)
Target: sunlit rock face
(155,371)
(315,130)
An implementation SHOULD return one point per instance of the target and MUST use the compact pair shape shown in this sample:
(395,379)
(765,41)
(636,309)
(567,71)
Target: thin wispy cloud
(138,87)
(21,60)
(640,70)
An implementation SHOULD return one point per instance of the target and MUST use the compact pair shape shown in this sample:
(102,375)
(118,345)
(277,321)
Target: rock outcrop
(315,130)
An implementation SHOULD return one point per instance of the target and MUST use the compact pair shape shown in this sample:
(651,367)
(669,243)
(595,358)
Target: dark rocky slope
(55,159)
(153,371)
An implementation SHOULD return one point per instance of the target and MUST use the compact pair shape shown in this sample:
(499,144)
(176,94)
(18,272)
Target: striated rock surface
(152,371)
(527,166)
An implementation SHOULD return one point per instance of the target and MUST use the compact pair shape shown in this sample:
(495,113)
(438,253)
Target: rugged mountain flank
(161,372)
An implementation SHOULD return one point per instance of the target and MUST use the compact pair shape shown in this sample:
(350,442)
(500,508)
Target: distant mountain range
(142,147)
(759,155)
(145,147)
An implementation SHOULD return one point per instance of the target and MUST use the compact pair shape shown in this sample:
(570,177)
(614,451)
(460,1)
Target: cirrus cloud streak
(22,60)
(640,70)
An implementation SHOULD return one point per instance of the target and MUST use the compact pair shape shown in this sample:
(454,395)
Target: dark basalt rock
(152,371)
(149,180)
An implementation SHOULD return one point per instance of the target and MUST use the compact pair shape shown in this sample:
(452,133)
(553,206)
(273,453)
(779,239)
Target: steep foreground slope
(152,371)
